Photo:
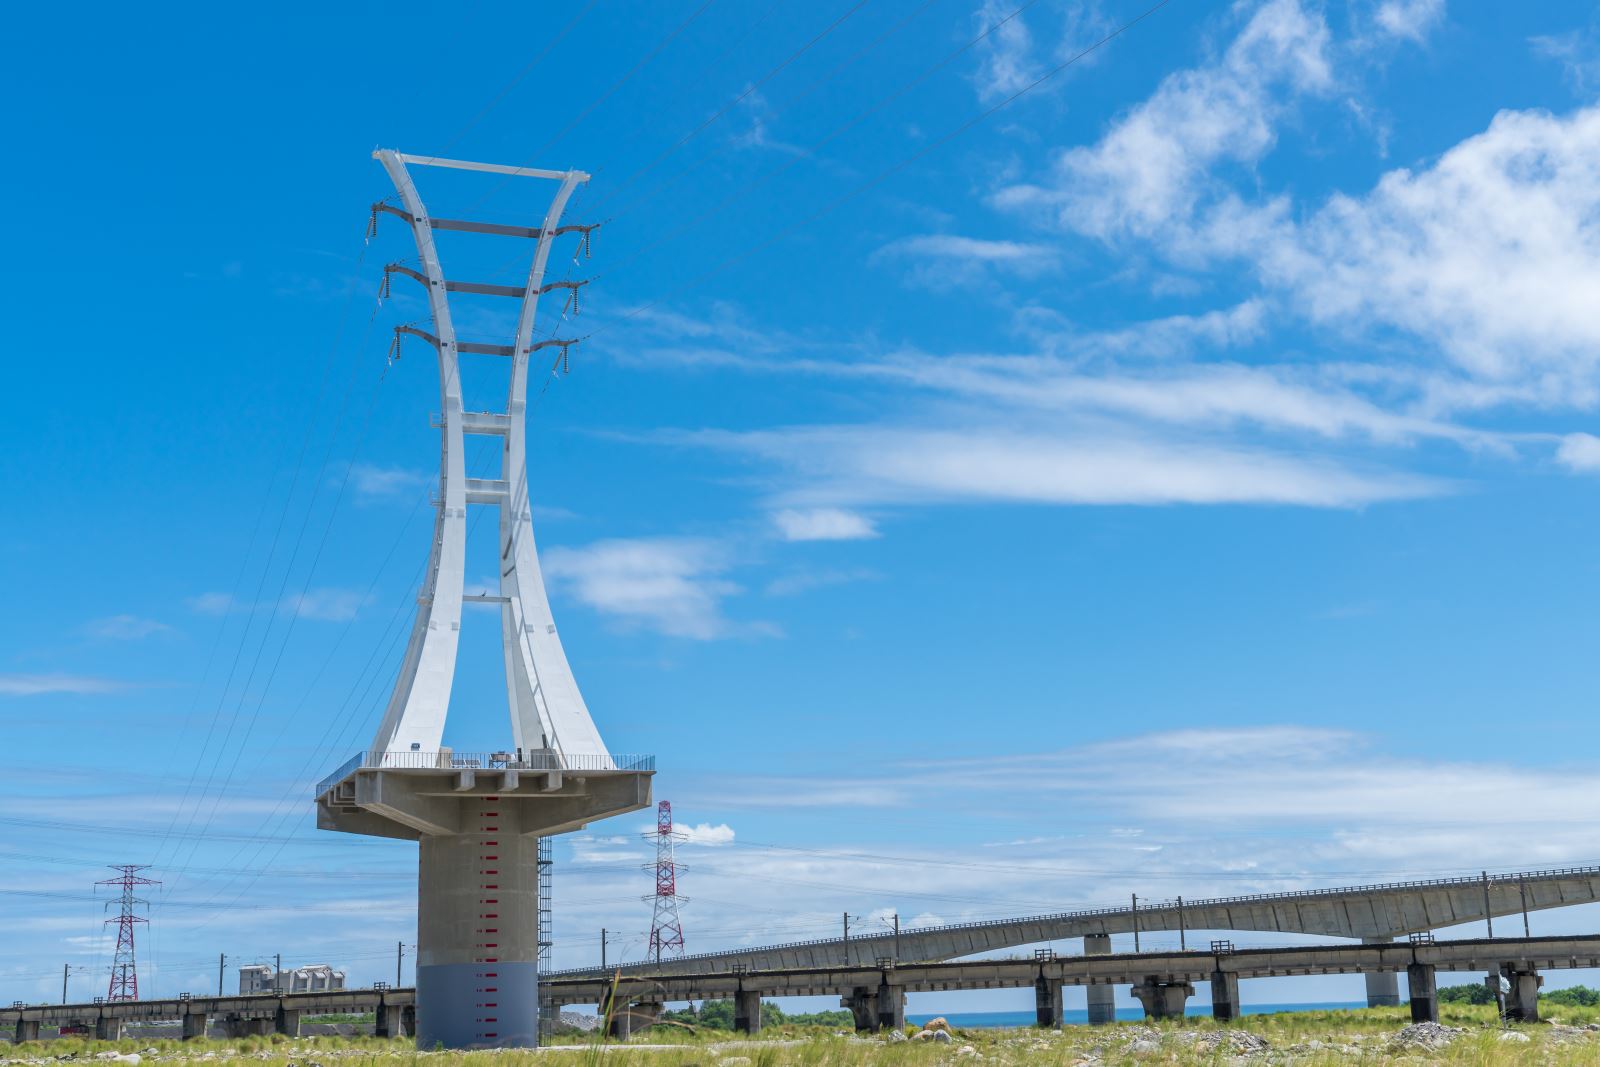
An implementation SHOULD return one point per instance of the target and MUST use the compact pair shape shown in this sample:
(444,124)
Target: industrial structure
(479,817)
(666,928)
(124,983)
(261,978)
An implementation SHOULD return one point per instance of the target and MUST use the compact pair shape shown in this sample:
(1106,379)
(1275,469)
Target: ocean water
(982,1020)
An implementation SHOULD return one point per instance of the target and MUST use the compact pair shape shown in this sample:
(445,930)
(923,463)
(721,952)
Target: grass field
(1469,1035)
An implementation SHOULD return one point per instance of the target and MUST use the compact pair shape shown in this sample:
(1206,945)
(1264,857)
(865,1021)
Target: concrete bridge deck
(1376,912)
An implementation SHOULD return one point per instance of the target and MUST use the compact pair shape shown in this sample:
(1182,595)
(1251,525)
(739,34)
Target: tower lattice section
(666,928)
(124,966)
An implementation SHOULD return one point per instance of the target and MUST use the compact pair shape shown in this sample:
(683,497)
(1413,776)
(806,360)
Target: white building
(259,978)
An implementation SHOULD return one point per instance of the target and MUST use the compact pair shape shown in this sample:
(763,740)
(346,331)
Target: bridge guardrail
(451,760)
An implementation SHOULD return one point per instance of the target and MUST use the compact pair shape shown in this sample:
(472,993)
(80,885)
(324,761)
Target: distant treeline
(1578,996)
(718,1015)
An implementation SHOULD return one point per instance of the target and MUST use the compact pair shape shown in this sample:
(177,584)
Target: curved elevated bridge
(1372,913)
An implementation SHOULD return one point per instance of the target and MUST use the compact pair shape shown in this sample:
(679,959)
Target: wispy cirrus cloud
(40,684)
(823,524)
(674,586)
(125,628)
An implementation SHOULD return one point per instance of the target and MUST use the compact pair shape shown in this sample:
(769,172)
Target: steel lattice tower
(124,970)
(666,929)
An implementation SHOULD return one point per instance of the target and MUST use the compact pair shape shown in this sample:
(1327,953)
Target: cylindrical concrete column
(1383,987)
(478,932)
(1102,998)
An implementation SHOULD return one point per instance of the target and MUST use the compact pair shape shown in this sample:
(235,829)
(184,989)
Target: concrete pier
(194,1025)
(108,1028)
(1102,998)
(389,1021)
(287,1022)
(1047,1003)
(747,1012)
(863,1005)
(1383,987)
(1224,996)
(1423,990)
(478,931)
(1163,999)
(27,1030)
(891,1007)
(1522,1000)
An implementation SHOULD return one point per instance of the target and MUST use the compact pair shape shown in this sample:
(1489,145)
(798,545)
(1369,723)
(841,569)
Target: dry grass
(1303,1039)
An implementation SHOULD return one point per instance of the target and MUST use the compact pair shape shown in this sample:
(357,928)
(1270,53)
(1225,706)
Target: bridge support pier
(1224,996)
(27,1030)
(627,1018)
(1102,998)
(1383,987)
(863,1004)
(389,1021)
(1163,999)
(1522,1001)
(194,1025)
(747,1011)
(1424,993)
(107,1028)
(1047,1002)
(408,1019)
(287,1022)
(891,1007)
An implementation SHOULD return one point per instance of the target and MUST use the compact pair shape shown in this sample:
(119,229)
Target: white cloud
(672,586)
(1578,52)
(1580,452)
(945,261)
(325,605)
(823,524)
(1492,253)
(885,464)
(373,482)
(37,684)
(211,603)
(1006,54)
(705,834)
(126,628)
(1409,19)
(1152,168)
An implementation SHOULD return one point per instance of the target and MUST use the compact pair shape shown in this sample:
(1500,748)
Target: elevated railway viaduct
(1375,914)
(1162,981)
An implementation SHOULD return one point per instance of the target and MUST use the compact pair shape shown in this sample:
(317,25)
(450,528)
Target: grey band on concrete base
(478,1005)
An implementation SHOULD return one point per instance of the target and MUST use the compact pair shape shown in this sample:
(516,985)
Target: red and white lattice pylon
(666,929)
(124,971)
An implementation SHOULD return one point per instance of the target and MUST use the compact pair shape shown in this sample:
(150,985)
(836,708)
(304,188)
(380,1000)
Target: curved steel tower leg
(414,720)
(547,711)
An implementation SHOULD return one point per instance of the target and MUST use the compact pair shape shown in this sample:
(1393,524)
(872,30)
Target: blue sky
(1180,481)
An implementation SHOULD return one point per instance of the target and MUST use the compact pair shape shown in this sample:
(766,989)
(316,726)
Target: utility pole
(1488,915)
(66,969)
(222,962)
(602,948)
(1136,922)
(1183,941)
(1522,889)
(847,936)
(897,937)
(399,954)
(277,973)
